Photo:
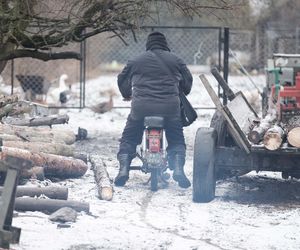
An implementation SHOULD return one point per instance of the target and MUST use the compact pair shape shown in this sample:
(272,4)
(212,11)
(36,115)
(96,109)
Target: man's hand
(127,99)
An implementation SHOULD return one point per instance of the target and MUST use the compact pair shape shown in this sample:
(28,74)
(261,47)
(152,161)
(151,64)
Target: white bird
(59,95)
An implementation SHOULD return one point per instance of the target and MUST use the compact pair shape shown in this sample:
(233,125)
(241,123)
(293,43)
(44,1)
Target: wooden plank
(7,195)
(236,132)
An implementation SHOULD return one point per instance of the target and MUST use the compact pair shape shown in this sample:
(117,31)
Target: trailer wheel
(219,123)
(204,179)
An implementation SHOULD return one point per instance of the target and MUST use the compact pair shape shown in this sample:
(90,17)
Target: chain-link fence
(61,82)
(198,47)
(254,48)
(55,83)
(195,45)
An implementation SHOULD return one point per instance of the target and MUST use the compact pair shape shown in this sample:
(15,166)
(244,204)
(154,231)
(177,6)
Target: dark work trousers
(133,134)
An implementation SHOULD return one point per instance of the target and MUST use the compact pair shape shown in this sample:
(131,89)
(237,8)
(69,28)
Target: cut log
(103,183)
(49,148)
(25,138)
(10,161)
(33,173)
(60,193)
(293,137)
(12,109)
(4,100)
(54,165)
(36,109)
(39,121)
(273,137)
(49,205)
(27,133)
(258,132)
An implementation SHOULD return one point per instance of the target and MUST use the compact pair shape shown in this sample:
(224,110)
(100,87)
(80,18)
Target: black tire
(219,123)
(204,178)
(154,179)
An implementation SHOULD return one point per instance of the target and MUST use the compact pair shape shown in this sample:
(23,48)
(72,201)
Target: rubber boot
(178,174)
(123,175)
(171,161)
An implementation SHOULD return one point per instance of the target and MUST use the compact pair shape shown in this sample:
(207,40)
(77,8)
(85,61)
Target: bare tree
(30,28)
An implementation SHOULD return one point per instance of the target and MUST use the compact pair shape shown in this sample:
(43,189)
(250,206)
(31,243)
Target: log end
(254,137)
(272,141)
(293,137)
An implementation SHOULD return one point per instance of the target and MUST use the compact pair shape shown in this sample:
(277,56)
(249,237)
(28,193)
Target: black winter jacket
(153,90)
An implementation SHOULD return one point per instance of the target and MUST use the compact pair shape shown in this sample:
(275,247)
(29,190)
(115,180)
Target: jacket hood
(157,40)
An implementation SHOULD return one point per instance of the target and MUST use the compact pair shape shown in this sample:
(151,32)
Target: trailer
(224,150)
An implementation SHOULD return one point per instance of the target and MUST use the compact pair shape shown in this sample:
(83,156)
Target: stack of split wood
(50,149)
(272,134)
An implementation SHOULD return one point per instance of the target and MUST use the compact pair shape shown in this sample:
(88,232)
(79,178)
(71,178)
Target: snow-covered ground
(256,211)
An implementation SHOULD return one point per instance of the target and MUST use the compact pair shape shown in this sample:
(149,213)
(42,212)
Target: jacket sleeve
(124,81)
(186,80)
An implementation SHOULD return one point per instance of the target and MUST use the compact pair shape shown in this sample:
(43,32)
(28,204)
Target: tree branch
(40,55)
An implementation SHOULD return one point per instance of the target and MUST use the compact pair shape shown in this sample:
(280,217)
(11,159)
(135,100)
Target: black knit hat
(157,40)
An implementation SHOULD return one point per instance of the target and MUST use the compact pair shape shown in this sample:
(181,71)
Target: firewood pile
(50,149)
(273,134)
(33,138)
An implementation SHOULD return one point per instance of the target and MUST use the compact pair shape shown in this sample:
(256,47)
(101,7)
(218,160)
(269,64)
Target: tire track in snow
(143,215)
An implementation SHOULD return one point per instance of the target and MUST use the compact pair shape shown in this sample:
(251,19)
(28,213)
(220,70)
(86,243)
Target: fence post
(226,60)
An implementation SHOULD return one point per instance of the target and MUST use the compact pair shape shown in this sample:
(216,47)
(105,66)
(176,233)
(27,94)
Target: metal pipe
(179,27)
(226,60)
(219,61)
(246,72)
(12,73)
(84,72)
(81,76)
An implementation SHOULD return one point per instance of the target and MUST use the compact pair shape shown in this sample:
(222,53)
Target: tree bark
(36,147)
(40,55)
(60,193)
(40,121)
(8,100)
(258,132)
(273,137)
(31,133)
(103,183)
(10,161)
(21,137)
(33,173)
(54,165)
(49,205)
(12,109)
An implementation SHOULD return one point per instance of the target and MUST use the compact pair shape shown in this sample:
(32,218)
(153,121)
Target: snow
(256,211)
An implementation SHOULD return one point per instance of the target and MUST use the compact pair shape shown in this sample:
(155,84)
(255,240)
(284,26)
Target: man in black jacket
(154,92)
